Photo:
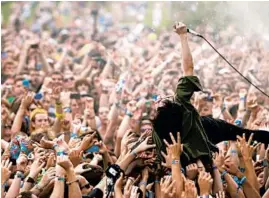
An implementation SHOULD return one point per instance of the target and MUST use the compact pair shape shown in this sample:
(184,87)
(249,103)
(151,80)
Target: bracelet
(74,135)
(183,171)
(59,115)
(128,113)
(143,183)
(58,104)
(30,180)
(243,99)
(157,181)
(242,170)
(175,161)
(20,174)
(238,122)
(134,153)
(241,182)
(233,152)
(214,167)
(265,162)
(54,146)
(61,179)
(60,153)
(71,182)
(223,173)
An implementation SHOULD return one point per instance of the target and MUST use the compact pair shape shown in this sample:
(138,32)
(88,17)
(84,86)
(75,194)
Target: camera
(113,172)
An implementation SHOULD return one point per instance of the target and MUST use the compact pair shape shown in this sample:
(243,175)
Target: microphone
(193,32)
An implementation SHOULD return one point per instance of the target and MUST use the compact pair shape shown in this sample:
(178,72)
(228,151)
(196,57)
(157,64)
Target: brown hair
(80,82)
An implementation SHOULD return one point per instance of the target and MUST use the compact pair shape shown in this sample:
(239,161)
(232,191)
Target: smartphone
(26,83)
(38,96)
(93,149)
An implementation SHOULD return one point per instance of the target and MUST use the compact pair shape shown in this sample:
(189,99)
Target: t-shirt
(193,136)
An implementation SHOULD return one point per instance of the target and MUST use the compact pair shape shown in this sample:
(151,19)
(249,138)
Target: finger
(178,138)
(257,146)
(163,154)
(250,138)
(172,138)
(166,143)
(151,146)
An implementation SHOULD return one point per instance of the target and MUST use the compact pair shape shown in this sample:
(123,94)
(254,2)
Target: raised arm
(187,63)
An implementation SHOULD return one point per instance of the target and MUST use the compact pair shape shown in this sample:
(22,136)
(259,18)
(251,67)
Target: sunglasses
(85,186)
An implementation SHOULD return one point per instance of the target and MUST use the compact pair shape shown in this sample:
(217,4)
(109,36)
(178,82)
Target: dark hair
(94,175)
(167,119)
(26,194)
(81,82)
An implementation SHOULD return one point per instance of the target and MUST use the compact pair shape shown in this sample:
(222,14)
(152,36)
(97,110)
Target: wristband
(214,167)
(128,113)
(175,161)
(59,115)
(243,99)
(143,183)
(233,152)
(157,181)
(4,185)
(71,182)
(242,170)
(20,174)
(54,146)
(30,180)
(265,163)
(38,187)
(238,122)
(61,179)
(60,153)
(74,135)
(241,182)
(58,104)
(134,153)
(223,173)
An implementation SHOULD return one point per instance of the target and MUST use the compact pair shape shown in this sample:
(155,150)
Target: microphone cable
(201,36)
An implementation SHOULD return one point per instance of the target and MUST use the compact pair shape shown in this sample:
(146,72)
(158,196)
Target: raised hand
(144,146)
(128,187)
(5,170)
(168,189)
(64,162)
(180,28)
(36,167)
(119,182)
(192,171)
(205,182)
(47,177)
(22,162)
(134,192)
(245,147)
(27,100)
(75,156)
(87,142)
(219,159)
(176,147)
(168,158)
(231,167)
(190,189)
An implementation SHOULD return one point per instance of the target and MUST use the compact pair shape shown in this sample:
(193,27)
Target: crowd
(79,99)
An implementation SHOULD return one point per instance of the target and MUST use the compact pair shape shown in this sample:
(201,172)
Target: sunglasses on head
(68,79)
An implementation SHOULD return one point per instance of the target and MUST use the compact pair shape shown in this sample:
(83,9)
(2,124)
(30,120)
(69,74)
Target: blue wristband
(175,161)
(60,153)
(129,113)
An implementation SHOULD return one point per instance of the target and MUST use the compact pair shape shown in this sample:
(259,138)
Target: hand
(46,144)
(131,106)
(220,194)
(39,152)
(176,148)
(168,189)
(134,193)
(51,162)
(64,162)
(128,187)
(180,28)
(27,100)
(128,138)
(119,182)
(61,144)
(168,158)
(47,177)
(205,182)
(5,170)
(80,170)
(36,167)
(231,167)
(75,156)
(56,93)
(219,159)
(102,147)
(87,142)
(192,171)
(22,163)
(245,147)
(144,146)
(190,189)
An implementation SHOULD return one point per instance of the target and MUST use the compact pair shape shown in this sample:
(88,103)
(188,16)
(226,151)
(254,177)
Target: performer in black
(198,134)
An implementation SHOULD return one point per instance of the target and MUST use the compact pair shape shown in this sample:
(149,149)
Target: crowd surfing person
(69,112)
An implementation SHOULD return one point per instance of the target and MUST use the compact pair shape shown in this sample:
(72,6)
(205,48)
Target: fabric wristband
(223,173)
(143,183)
(175,161)
(128,113)
(60,153)
(61,179)
(20,174)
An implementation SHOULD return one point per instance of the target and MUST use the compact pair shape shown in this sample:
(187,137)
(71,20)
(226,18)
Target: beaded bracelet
(143,183)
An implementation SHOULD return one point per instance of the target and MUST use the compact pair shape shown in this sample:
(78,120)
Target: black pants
(219,130)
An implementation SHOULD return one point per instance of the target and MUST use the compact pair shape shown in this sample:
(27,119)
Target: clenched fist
(180,28)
